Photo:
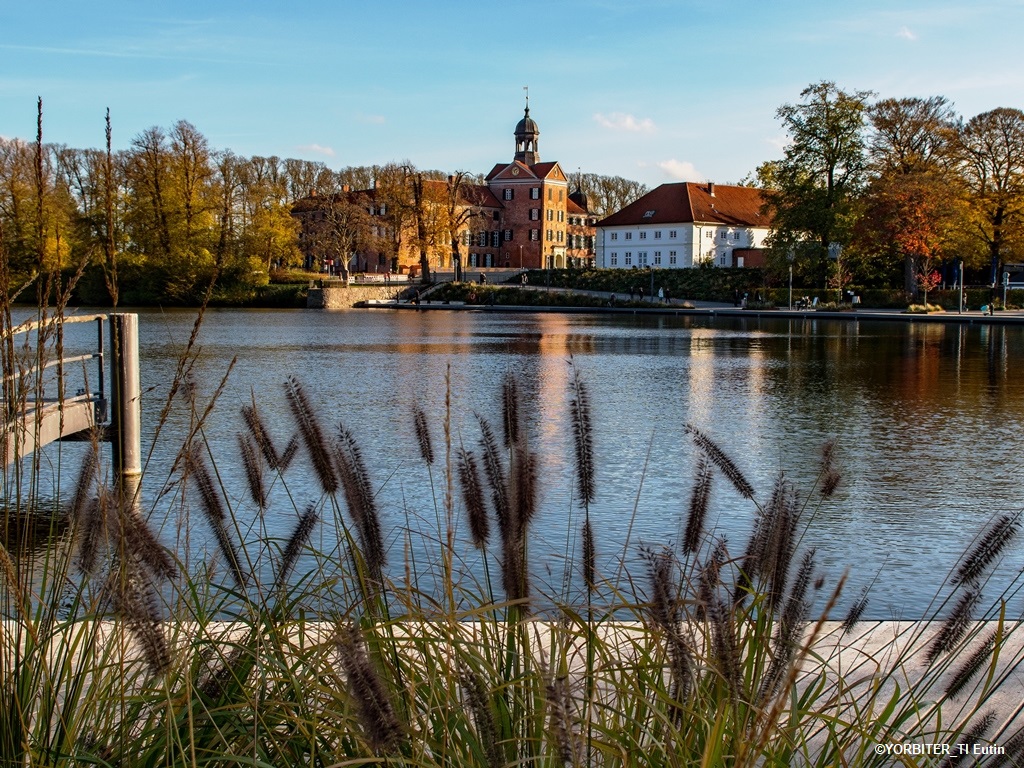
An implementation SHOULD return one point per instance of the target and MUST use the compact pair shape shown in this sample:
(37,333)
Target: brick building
(522,217)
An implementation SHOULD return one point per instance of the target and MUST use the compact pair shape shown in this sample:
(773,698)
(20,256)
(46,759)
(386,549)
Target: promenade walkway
(712,308)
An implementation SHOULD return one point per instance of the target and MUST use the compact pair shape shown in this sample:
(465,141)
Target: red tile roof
(573,208)
(686,202)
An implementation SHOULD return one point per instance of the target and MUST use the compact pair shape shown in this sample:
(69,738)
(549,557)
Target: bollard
(126,393)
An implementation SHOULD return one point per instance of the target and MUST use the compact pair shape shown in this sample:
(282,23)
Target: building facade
(522,217)
(684,225)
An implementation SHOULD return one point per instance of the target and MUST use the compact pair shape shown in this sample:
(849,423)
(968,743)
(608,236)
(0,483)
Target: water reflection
(925,416)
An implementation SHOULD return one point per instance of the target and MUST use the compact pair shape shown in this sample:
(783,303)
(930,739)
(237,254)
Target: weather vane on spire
(527,89)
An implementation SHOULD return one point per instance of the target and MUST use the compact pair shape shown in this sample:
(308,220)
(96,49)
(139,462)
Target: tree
(816,182)
(607,194)
(909,214)
(990,161)
(910,135)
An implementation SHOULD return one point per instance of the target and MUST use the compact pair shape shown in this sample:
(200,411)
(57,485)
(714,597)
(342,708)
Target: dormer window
(649,214)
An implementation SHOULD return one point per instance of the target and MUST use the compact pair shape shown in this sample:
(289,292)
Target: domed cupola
(527,133)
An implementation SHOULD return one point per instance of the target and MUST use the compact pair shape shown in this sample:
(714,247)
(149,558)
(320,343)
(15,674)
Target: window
(657,234)
(641,258)
(558,235)
(643,235)
(550,236)
(629,235)
(657,258)
(671,258)
(561,195)
(615,236)
(535,214)
(561,215)
(472,259)
(507,193)
(549,193)
(723,235)
(709,234)
(508,235)
(551,215)
(481,239)
(495,239)
(535,193)
(615,260)
(672,234)
(535,234)
(629,259)
(649,214)
(488,259)
(735,235)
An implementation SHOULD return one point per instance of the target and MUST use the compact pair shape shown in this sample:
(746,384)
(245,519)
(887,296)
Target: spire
(527,134)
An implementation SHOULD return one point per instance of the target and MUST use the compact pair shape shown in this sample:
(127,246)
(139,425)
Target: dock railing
(38,407)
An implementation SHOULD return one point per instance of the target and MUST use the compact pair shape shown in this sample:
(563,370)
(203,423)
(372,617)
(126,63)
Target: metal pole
(126,416)
(960,309)
(791,285)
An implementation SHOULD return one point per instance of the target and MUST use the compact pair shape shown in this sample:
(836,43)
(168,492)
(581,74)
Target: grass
(117,651)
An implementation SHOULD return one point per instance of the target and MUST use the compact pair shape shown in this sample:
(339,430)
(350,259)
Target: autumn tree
(814,186)
(990,160)
(910,213)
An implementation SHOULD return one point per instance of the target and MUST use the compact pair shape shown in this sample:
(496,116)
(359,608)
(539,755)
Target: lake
(926,419)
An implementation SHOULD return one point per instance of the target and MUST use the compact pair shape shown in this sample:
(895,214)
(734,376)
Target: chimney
(451,180)
(711,188)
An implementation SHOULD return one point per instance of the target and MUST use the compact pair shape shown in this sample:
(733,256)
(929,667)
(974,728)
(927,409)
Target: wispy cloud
(371,119)
(681,169)
(620,121)
(907,33)
(317,149)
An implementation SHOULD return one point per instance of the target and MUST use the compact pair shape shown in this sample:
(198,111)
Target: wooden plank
(39,427)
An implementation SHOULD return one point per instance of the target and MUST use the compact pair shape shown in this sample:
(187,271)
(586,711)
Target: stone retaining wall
(340,296)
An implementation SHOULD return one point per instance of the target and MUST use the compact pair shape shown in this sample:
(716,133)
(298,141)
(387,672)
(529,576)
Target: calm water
(926,418)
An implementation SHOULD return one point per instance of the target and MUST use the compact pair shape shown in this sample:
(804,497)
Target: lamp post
(791,257)
(960,307)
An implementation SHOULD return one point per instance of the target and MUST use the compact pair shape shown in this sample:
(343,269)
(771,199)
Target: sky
(652,90)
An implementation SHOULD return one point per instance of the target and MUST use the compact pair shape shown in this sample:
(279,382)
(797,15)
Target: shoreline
(1011,317)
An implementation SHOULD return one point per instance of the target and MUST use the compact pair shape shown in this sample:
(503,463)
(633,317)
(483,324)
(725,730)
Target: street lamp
(791,257)
(960,308)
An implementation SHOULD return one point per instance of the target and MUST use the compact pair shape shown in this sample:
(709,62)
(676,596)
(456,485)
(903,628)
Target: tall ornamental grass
(117,650)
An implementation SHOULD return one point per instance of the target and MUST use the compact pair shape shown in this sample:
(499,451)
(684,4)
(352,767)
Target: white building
(678,226)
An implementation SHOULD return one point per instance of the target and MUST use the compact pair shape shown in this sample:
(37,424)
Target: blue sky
(651,90)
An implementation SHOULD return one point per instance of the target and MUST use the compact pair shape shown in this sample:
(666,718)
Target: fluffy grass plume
(298,540)
(955,626)
(362,505)
(494,471)
(213,508)
(377,716)
(589,555)
(700,498)
(249,452)
(583,438)
(135,602)
(510,427)
(984,553)
(473,498)
(830,476)
(423,440)
(720,459)
(312,434)
(963,674)
(258,430)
